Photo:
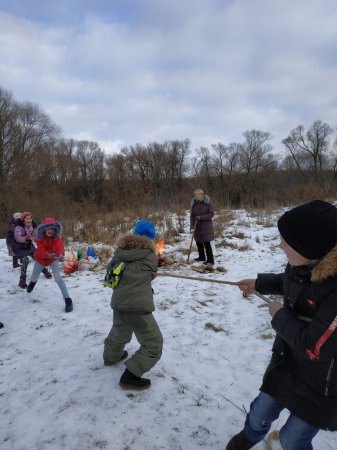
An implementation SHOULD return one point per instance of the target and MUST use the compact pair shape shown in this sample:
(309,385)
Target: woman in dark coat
(202,213)
(302,373)
(10,238)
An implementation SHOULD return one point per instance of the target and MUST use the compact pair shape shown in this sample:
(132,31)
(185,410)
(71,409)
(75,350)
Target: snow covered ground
(55,392)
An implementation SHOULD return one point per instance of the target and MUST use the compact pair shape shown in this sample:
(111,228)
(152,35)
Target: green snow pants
(148,335)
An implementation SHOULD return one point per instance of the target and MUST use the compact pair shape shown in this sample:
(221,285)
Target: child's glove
(61,258)
(52,255)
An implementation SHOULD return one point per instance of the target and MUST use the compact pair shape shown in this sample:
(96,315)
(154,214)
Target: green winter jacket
(133,294)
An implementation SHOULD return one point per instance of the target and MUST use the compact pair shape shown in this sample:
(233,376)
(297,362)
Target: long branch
(211,280)
(231,283)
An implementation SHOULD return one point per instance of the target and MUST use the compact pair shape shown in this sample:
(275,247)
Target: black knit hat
(310,229)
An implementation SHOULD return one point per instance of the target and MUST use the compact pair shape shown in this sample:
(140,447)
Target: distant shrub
(267,336)
(216,329)
(221,220)
(244,248)
(238,235)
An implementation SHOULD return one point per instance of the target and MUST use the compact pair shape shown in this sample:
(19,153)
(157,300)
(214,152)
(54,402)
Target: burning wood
(160,253)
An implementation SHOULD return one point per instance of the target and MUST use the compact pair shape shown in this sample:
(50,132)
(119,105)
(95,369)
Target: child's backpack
(112,278)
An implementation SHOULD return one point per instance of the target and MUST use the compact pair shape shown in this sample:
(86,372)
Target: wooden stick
(190,250)
(231,283)
(211,280)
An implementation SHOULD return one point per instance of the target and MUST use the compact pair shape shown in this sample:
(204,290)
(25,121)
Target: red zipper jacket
(47,245)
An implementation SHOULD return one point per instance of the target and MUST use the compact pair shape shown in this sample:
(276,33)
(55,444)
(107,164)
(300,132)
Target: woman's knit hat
(145,228)
(310,229)
(17,215)
(25,214)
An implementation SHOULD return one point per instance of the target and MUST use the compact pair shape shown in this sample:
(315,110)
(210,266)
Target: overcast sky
(124,71)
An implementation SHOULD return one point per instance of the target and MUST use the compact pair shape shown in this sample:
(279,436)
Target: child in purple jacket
(23,245)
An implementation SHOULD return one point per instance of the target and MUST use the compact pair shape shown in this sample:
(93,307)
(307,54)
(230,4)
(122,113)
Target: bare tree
(225,161)
(205,167)
(307,148)
(175,167)
(33,129)
(90,160)
(64,157)
(7,124)
(253,153)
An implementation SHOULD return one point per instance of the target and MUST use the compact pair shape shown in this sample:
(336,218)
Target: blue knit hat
(145,228)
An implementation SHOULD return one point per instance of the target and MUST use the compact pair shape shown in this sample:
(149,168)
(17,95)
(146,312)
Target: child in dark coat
(10,238)
(22,244)
(132,304)
(50,250)
(302,373)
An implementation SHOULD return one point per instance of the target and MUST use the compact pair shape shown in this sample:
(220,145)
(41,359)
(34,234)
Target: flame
(160,248)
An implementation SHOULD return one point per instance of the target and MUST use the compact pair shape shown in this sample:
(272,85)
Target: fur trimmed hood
(131,241)
(49,222)
(206,200)
(326,268)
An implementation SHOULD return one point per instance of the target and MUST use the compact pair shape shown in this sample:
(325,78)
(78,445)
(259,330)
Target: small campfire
(160,253)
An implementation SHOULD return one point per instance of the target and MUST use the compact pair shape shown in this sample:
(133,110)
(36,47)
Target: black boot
(22,282)
(69,305)
(130,381)
(46,273)
(31,286)
(239,442)
(15,262)
(199,259)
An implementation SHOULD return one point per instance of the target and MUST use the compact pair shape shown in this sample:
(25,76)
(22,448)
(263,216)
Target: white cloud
(206,72)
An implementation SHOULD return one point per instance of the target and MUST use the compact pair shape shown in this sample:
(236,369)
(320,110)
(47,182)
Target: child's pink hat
(25,214)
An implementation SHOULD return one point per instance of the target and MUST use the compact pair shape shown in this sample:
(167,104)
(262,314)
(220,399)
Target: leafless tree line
(43,171)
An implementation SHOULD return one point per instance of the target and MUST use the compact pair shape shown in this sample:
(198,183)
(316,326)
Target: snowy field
(55,392)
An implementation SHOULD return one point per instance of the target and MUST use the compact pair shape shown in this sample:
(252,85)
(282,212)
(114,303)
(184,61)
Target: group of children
(302,374)
(22,236)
